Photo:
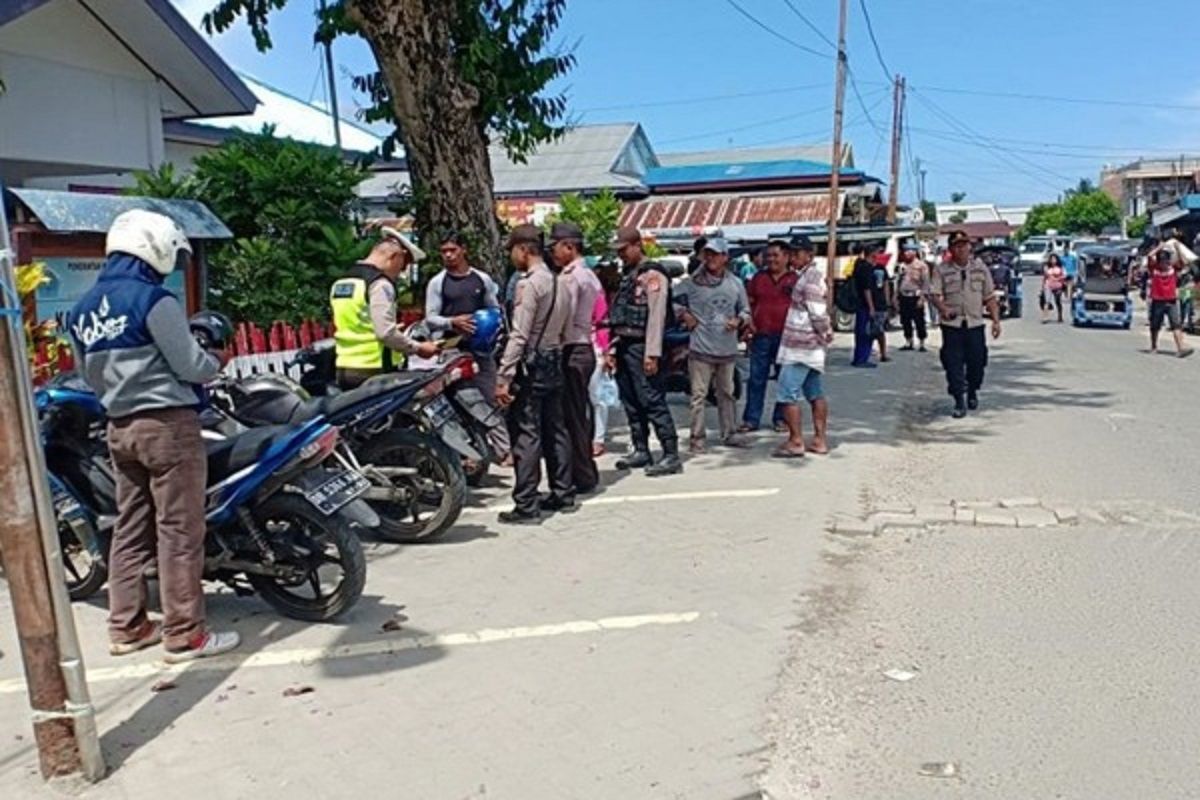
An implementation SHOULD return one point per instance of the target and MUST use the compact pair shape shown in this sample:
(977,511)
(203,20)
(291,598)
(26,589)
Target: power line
(1102,149)
(809,23)
(1057,99)
(749,126)
(705,99)
(774,32)
(858,96)
(887,73)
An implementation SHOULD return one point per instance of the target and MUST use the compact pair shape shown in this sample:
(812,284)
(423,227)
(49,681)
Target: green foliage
(1135,227)
(162,182)
(957,197)
(1042,217)
(596,216)
(929,211)
(289,206)
(1089,211)
(653,249)
(958,218)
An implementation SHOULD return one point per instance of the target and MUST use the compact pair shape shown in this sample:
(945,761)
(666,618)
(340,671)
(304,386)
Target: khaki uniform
(965,292)
(542,310)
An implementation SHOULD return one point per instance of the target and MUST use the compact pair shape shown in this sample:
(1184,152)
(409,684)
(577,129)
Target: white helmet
(154,238)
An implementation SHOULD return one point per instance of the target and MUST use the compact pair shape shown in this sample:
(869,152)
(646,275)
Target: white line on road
(716,494)
(308,656)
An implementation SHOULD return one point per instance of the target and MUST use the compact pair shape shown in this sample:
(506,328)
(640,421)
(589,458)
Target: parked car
(1035,249)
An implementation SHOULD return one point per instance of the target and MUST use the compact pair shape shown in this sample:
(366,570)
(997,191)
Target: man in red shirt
(770,296)
(1164,296)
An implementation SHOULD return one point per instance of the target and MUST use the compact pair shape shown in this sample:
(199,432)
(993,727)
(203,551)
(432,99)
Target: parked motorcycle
(279,510)
(398,430)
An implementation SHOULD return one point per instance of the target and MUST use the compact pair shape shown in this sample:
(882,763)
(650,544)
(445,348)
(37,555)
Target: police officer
(638,318)
(530,380)
(962,290)
(364,312)
(579,353)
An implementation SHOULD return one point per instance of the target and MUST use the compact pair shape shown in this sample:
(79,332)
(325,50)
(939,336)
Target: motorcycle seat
(333,405)
(227,456)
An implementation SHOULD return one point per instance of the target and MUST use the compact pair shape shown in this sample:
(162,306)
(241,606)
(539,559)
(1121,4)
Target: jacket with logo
(132,342)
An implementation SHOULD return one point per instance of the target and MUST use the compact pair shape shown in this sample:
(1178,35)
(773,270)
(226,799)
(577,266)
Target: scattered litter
(163,686)
(899,675)
(392,624)
(939,769)
(296,691)
(221,698)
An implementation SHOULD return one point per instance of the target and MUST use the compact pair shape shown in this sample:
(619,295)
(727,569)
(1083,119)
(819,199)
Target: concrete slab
(974,505)
(936,514)
(1066,516)
(964,516)
(995,519)
(1035,518)
(882,520)
(1020,502)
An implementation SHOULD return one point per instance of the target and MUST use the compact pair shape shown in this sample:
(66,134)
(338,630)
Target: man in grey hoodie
(134,348)
(712,305)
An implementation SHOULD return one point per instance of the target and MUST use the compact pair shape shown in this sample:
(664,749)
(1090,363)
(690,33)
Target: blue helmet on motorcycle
(487,330)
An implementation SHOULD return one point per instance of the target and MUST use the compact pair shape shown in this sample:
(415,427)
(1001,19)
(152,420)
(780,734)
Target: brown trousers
(703,375)
(579,362)
(161,469)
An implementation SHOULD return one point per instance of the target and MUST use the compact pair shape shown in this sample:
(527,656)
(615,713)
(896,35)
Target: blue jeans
(862,336)
(764,348)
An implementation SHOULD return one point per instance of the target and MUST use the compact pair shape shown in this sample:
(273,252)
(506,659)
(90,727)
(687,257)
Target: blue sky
(655,62)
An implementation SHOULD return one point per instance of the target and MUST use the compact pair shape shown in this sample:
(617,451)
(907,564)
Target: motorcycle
(397,430)
(279,512)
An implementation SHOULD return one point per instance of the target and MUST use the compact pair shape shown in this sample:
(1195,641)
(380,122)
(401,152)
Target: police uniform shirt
(534,322)
(964,291)
(649,289)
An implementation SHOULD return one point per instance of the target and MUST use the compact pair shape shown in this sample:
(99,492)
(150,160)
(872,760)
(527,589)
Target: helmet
(268,400)
(212,330)
(154,238)
(487,330)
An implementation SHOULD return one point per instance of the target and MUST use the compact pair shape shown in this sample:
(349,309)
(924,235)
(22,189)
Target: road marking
(312,655)
(603,500)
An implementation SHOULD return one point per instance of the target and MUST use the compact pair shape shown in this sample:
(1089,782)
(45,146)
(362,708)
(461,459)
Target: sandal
(744,428)
(783,451)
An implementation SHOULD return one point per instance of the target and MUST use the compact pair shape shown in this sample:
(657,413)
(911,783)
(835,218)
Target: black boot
(972,400)
(636,460)
(670,464)
(960,408)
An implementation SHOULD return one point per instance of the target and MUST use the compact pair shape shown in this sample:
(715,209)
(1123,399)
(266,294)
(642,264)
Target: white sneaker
(213,644)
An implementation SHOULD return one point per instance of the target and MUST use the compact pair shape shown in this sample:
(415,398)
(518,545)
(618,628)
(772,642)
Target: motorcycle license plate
(332,495)
(439,411)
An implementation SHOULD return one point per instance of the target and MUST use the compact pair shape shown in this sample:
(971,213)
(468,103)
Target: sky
(1099,82)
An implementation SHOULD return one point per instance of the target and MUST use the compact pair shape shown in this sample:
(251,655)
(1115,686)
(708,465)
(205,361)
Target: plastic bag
(604,390)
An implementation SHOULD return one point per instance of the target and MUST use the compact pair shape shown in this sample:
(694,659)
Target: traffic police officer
(364,312)
(530,380)
(638,318)
(962,290)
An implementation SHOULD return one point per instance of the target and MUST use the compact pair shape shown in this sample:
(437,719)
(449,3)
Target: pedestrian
(874,288)
(861,278)
(638,322)
(1166,260)
(363,305)
(913,289)
(807,334)
(531,384)
(769,294)
(1054,282)
(134,348)
(602,388)
(962,290)
(712,305)
(696,259)
(453,298)
(579,354)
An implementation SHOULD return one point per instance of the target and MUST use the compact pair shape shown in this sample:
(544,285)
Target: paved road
(707,637)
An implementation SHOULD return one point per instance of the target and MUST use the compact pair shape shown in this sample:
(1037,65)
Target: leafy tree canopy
(596,216)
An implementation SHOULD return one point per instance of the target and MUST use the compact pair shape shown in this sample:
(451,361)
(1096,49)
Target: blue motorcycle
(279,510)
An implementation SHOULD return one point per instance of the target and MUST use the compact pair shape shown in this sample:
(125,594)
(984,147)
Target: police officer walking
(531,381)
(638,321)
(579,354)
(364,312)
(962,290)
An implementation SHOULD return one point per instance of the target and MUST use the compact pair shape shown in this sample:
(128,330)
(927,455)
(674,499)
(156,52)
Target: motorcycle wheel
(433,499)
(85,573)
(335,568)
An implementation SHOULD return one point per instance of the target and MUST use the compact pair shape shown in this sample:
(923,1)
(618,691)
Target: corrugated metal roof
(727,211)
(583,159)
(1190,202)
(76,212)
(805,152)
(726,172)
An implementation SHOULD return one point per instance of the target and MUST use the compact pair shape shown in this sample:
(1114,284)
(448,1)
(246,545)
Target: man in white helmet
(134,348)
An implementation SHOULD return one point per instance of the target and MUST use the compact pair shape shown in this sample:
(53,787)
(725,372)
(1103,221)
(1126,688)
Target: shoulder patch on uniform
(343,289)
(654,281)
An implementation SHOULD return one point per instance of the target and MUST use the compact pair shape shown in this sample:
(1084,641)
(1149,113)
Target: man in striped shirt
(807,333)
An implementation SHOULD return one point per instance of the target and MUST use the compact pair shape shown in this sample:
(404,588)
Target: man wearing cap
(713,307)
(638,323)
(769,293)
(962,290)
(807,334)
(530,380)
(364,312)
(913,289)
(579,355)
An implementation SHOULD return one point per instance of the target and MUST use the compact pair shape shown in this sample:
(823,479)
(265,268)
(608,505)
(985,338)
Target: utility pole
(64,722)
(333,102)
(839,107)
(897,132)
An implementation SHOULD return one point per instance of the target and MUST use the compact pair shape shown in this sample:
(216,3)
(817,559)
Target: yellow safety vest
(357,345)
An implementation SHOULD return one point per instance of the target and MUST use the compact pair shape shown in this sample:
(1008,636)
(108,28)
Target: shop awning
(77,212)
(738,216)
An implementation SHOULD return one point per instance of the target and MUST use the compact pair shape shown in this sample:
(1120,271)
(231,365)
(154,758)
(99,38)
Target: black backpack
(846,296)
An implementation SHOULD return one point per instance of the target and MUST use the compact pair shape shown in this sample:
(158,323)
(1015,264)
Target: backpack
(846,297)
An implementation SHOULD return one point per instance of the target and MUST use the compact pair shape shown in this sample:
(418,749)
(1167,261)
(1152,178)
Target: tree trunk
(444,142)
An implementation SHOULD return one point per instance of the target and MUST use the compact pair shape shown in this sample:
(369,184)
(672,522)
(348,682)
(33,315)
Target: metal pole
(333,103)
(839,107)
(897,127)
(64,720)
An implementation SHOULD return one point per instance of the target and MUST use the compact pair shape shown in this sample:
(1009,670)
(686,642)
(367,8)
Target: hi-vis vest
(357,345)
